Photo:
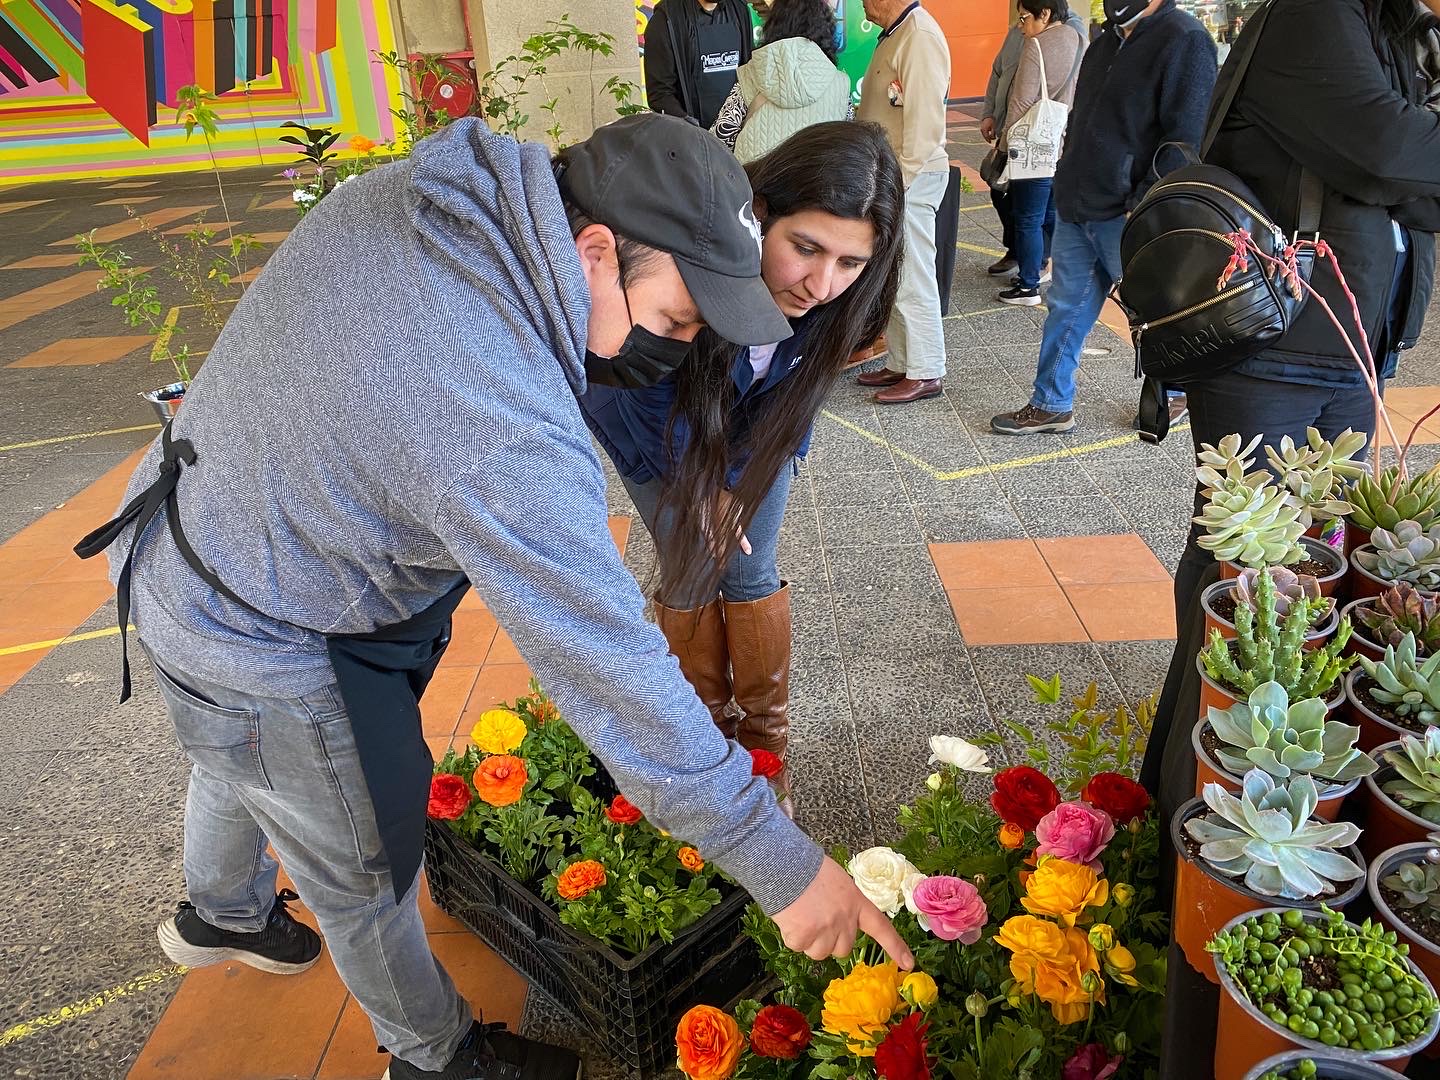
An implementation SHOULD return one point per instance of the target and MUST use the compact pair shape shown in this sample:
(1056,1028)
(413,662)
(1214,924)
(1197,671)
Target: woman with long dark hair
(707,455)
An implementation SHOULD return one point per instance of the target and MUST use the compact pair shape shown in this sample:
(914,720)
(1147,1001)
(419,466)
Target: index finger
(874,923)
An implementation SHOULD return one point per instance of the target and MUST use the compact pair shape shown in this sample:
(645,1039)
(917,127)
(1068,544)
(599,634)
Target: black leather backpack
(1174,251)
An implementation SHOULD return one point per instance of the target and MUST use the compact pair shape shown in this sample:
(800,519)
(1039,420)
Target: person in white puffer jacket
(789,83)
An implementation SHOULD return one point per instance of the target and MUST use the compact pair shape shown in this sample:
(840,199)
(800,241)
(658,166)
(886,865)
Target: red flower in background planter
(1023,796)
(1091,1062)
(449,797)
(780,1032)
(623,812)
(1119,796)
(902,1054)
(764,763)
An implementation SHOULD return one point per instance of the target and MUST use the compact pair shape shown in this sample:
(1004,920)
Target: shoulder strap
(1044,80)
(1075,67)
(1239,63)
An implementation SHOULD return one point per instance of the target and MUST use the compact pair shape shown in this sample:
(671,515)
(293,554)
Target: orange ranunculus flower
(1011,836)
(708,1043)
(1063,890)
(361,144)
(1051,962)
(860,1005)
(500,780)
(691,860)
(580,879)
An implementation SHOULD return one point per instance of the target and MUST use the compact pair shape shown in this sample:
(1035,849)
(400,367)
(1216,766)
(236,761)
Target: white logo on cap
(747,218)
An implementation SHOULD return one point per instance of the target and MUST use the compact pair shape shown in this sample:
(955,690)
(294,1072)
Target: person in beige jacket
(904,92)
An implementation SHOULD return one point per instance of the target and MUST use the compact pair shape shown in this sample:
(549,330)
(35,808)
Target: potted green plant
(1383,502)
(1317,474)
(1395,695)
(1268,647)
(1402,796)
(1314,981)
(1404,887)
(1317,1065)
(1268,731)
(1380,621)
(1261,847)
(1409,553)
(1221,599)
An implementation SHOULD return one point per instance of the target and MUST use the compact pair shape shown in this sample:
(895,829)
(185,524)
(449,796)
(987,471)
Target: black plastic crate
(629,1004)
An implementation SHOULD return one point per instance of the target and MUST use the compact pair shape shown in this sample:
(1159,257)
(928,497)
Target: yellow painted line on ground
(924,466)
(993,252)
(73,438)
(34,646)
(76,1009)
(977,206)
(982,311)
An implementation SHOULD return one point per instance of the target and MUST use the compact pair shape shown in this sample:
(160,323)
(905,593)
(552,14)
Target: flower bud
(1134,826)
(1102,937)
(1011,836)
(1123,894)
(919,990)
(933,781)
(1090,983)
(977,1004)
(1122,1042)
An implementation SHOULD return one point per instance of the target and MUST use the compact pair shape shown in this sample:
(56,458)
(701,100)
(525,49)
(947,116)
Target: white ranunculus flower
(947,750)
(907,890)
(880,873)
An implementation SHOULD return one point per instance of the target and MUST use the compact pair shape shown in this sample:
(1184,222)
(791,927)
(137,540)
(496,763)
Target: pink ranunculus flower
(1075,832)
(950,908)
(1091,1062)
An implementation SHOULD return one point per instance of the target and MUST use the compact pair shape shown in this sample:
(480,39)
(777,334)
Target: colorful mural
(87,87)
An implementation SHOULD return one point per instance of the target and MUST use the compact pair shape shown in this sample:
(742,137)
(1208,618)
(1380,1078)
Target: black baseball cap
(671,185)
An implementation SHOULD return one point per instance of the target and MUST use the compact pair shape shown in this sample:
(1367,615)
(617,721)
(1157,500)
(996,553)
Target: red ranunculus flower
(764,763)
(449,796)
(902,1054)
(1119,796)
(1091,1062)
(780,1032)
(623,812)
(1023,796)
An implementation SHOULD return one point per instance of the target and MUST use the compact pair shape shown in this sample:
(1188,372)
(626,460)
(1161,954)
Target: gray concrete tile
(846,824)
(1138,667)
(45,875)
(18,771)
(923,624)
(1062,477)
(869,526)
(1074,516)
(881,488)
(77,791)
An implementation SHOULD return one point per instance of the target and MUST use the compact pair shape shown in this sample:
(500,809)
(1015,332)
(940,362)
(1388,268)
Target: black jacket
(672,54)
(1133,95)
(1325,91)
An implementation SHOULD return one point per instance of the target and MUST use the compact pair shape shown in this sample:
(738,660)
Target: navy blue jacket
(1134,94)
(630,424)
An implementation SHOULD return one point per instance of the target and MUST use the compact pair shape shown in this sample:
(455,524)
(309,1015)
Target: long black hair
(1402,21)
(813,19)
(842,168)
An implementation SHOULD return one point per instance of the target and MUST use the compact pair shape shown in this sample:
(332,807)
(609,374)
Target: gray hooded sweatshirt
(392,406)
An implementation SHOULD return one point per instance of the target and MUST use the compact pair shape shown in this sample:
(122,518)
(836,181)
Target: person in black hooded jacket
(1335,88)
(693,49)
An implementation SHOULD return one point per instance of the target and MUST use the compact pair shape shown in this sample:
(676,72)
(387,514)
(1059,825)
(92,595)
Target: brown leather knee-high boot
(758,633)
(697,639)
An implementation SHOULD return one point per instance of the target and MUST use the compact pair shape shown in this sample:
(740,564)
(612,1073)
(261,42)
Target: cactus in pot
(1283,738)
(1247,518)
(1403,609)
(1409,687)
(1384,502)
(1317,473)
(1410,553)
(1416,786)
(1266,837)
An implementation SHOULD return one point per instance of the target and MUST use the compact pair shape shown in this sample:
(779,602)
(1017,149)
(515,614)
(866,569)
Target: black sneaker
(490,1052)
(284,947)
(1019,296)
(1033,421)
(1005,266)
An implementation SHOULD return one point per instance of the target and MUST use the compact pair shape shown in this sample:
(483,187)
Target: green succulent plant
(1265,836)
(1247,518)
(1289,588)
(1384,502)
(1284,738)
(1316,473)
(1403,609)
(1409,553)
(1416,786)
(1416,884)
(1268,648)
(1409,687)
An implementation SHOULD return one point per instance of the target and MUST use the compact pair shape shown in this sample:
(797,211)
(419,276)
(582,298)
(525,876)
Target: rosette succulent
(1415,884)
(1403,609)
(1410,553)
(1316,473)
(1385,502)
(1409,687)
(1266,837)
(1247,518)
(1283,738)
(1290,588)
(1416,786)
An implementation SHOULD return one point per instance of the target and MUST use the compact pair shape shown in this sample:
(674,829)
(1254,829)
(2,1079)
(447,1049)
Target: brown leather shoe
(910,390)
(883,377)
(758,634)
(878,347)
(697,639)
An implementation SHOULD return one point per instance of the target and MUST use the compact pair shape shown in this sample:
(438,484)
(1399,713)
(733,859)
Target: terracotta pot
(1331,1065)
(1387,823)
(1361,583)
(1244,1035)
(1210,771)
(1355,537)
(1375,730)
(1313,638)
(1205,899)
(1212,694)
(1359,644)
(1314,549)
(1424,954)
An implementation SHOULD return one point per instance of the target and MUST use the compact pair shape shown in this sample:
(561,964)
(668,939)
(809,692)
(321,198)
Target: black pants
(1000,199)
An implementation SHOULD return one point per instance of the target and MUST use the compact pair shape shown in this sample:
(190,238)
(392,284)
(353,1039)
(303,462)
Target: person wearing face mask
(297,596)
(707,455)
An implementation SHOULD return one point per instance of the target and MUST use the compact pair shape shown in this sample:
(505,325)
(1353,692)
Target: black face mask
(1123,12)
(643,360)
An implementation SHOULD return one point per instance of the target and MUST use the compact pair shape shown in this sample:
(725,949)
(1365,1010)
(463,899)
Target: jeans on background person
(914,333)
(747,577)
(1085,262)
(285,772)
(1032,210)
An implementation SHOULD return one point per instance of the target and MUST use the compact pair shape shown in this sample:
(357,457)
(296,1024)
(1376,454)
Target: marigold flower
(498,731)
(580,879)
(500,780)
(860,1005)
(691,860)
(708,1044)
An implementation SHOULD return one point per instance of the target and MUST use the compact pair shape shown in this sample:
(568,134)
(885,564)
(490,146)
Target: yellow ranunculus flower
(1102,937)
(860,1005)
(1027,934)
(1051,962)
(1119,965)
(919,990)
(1063,890)
(498,731)
(1123,894)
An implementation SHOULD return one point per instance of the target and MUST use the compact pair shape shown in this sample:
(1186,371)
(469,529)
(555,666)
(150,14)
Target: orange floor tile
(107,234)
(279,204)
(20,204)
(1101,560)
(1129,611)
(990,564)
(43,262)
(128,200)
(445,699)
(260,237)
(217,227)
(81,352)
(1024,615)
(45,298)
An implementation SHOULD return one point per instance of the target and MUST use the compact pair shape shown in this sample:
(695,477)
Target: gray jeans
(286,771)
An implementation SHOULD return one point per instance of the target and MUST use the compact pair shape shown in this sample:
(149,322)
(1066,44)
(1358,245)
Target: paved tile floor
(932,563)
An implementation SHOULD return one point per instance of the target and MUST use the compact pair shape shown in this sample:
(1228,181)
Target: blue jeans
(748,577)
(285,772)
(1032,208)
(1085,262)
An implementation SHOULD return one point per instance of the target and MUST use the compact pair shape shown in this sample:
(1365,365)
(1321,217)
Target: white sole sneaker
(1020,301)
(193,956)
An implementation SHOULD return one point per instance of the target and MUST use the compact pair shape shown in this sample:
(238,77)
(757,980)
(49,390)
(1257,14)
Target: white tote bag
(1033,142)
